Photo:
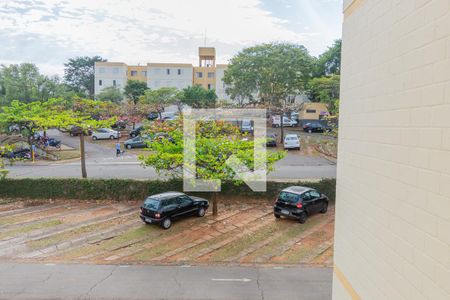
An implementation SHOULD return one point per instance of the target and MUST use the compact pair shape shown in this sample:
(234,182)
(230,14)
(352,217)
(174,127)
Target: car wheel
(309,131)
(276,216)
(128,146)
(133,135)
(201,212)
(94,138)
(324,208)
(166,223)
(111,137)
(302,218)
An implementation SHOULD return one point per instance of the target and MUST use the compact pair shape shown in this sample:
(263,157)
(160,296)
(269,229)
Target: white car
(105,133)
(291,141)
(276,122)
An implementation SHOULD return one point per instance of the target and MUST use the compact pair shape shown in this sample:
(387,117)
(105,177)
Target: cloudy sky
(48,32)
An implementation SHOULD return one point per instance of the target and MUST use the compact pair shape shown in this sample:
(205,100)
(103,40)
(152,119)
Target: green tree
(216,142)
(273,72)
(198,97)
(57,113)
(111,93)
(20,82)
(329,62)
(79,74)
(134,90)
(161,98)
(325,89)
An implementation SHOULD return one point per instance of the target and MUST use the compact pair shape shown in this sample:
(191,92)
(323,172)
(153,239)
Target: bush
(124,189)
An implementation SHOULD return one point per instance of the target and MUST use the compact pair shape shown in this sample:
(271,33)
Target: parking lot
(112,233)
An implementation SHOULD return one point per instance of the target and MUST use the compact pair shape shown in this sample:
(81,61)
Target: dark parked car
(271,140)
(119,125)
(153,116)
(137,131)
(298,202)
(75,131)
(315,127)
(136,142)
(163,208)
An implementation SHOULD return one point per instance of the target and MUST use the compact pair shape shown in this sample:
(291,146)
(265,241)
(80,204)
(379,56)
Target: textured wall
(393,193)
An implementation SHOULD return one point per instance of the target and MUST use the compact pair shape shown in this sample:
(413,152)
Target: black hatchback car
(298,202)
(315,127)
(163,208)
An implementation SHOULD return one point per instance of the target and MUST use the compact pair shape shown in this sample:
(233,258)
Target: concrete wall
(107,72)
(157,76)
(393,192)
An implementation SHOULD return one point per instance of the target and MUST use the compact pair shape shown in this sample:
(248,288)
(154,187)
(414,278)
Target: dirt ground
(112,233)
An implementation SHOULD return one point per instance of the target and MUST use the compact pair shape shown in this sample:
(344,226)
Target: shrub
(127,189)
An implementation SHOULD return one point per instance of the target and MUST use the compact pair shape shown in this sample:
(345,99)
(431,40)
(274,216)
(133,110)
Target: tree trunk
(215,203)
(83,156)
(282,127)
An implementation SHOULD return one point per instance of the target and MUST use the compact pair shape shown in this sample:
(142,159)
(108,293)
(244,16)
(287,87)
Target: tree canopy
(329,62)
(79,74)
(134,90)
(110,93)
(198,97)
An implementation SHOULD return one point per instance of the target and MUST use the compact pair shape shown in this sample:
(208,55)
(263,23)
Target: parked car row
(295,202)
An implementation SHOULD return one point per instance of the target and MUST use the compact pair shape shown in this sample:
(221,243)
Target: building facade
(392,236)
(158,75)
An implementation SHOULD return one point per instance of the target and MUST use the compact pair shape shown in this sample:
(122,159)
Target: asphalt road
(101,162)
(33,281)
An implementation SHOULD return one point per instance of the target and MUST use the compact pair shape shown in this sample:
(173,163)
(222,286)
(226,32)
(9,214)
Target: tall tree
(216,142)
(198,97)
(329,62)
(325,89)
(134,90)
(111,93)
(161,98)
(20,82)
(79,74)
(273,72)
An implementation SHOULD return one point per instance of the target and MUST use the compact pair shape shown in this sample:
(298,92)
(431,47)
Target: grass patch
(30,227)
(57,238)
(65,154)
(295,256)
(121,240)
(12,220)
(273,247)
(239,245)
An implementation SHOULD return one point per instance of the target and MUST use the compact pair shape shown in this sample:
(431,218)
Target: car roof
(297,189)
(292,134)
(166,195)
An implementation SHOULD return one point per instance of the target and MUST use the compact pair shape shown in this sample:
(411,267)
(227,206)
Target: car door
(185,204)
(316,200)
(308,203)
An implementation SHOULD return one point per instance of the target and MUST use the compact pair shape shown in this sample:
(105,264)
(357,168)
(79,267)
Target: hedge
(124,189)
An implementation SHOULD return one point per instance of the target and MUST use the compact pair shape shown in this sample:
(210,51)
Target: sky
(49,32)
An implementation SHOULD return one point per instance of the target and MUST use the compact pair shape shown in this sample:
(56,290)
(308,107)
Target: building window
(209,86)
(144,73)
(133,73)
(198,74)
(101,70)
(168,71)
(310,111)
(115,70)
(114,82)
(179,71)
(100,82)
(210,74)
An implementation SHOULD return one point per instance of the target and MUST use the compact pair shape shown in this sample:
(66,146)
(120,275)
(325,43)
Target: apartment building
(392,236)
(158,75)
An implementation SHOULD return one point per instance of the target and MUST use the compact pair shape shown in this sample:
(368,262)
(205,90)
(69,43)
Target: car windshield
(291,138)
(288,197)
(151,203)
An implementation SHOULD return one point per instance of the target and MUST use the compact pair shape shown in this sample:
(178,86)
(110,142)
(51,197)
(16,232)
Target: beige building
(157,75)
(393,192)
(313,111)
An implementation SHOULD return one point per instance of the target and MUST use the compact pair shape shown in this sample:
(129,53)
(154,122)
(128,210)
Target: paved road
(33,281)
(102,163)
